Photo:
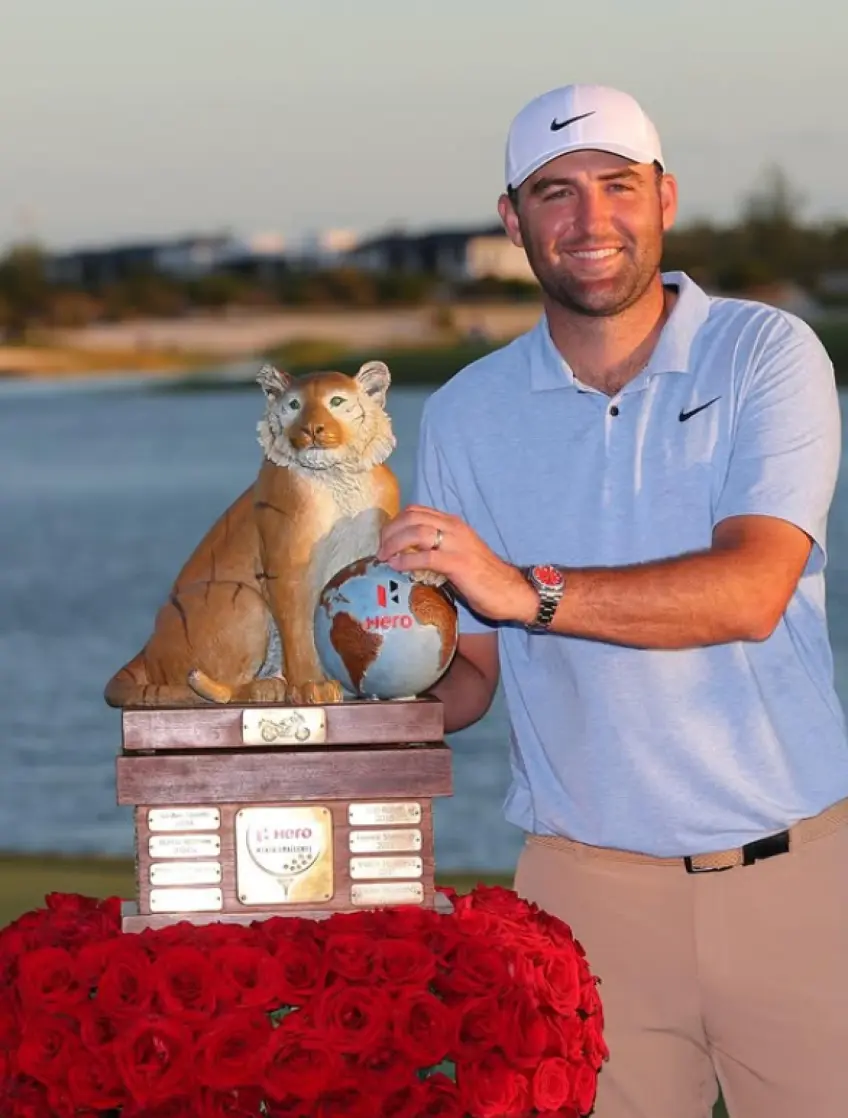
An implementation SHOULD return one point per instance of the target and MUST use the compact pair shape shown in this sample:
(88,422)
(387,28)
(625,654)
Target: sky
(134,119)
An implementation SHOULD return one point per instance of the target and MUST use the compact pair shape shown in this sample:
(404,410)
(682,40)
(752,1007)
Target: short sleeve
(788,437)
(435,488)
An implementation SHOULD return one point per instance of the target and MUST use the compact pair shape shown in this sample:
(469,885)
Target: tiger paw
(427,578)
(315,692)
(271,690)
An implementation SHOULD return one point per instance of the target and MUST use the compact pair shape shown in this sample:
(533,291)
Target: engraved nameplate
(284,726)
(363,815)
(284,855)
(185,873)
(184,846)
(387,893)
(183,819)
(186,900)
(386,867)
(383,842)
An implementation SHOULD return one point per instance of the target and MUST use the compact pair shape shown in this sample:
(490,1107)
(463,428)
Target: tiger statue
(238,623)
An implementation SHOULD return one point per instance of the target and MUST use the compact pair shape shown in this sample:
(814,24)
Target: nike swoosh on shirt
(684,415)
(556,125)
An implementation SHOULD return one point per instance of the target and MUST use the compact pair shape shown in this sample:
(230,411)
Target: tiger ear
(375,378)
(273,382)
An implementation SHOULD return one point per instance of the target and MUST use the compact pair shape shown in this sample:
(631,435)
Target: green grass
(26,880)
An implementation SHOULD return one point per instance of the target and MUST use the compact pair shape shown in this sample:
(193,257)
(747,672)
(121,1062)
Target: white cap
(578,118)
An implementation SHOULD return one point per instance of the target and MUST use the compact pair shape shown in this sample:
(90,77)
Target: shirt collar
(672,353)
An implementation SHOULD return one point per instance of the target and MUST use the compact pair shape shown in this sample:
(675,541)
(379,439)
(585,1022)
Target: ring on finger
(437,542)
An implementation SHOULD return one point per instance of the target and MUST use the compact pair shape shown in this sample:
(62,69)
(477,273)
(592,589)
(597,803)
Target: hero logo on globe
(283,851)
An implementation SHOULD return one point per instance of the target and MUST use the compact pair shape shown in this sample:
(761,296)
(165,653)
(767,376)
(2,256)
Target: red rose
(525,1036)
(47,980)
(155,1057)
(594,1044)
(48,1047)
(301,972)
(551,1083)
(557,982)
(26,1099)
(480,1027)
(490,1088)
(346,1101)
(298,1063)
(383,1070)
(405,1102)
(127,983)
(350,956)
(246,1103)
(405,963)
(231,1051)
(97,1029)
(566,1036)
(353,1019)
(473,969)
(186,984)
(248,976)
(441,1098)
(583,1087)
(424,1027)
(93,1081)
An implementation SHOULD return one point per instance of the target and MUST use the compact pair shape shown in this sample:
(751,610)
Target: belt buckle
(690,868)
(756,851)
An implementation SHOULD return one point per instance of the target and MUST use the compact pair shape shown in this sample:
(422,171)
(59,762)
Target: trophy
(279,746)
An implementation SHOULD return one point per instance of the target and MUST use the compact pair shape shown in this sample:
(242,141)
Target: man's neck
(607,353)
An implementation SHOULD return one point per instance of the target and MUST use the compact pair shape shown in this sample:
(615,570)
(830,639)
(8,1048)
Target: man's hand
(422,538)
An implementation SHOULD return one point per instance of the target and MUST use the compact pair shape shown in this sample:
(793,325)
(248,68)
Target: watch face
(547,576)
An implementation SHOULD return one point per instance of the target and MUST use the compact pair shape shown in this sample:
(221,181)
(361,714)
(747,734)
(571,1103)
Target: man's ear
(509,220)
(273,382)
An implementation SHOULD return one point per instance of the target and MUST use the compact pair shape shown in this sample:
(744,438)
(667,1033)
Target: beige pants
(739,975)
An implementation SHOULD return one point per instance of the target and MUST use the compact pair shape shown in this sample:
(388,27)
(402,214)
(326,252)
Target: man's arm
(468,686)
(771,511)
(736,591)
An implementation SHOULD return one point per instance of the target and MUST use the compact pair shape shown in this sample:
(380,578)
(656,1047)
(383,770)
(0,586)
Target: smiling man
(631,503)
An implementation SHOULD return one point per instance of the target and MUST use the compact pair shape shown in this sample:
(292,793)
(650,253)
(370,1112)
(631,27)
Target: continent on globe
(382,634)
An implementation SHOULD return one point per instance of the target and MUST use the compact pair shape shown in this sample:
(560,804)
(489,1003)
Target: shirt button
(613,410)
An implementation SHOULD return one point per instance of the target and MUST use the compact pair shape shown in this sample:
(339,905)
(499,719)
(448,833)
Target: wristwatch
(549,583)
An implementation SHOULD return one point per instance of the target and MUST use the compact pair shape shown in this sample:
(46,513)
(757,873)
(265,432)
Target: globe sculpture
(382,635)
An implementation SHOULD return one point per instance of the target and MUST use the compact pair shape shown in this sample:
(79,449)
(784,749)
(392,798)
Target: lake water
(104,491)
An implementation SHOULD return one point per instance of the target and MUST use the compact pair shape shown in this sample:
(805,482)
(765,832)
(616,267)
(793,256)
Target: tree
(24,289)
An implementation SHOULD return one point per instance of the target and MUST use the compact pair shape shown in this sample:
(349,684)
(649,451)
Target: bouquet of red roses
(490,1011)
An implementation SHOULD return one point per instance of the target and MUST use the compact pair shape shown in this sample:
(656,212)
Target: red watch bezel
(547,575)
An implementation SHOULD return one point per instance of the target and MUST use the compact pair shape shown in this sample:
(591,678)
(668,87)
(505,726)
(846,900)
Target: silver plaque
(401,866)
(284,726)
(184,846)
(381,815)
(387,893)
(185,873)
(183,819)
(383,842)
(186,900)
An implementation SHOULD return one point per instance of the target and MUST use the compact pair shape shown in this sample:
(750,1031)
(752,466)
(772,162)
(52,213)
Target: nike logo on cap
(556,125)
(684,415)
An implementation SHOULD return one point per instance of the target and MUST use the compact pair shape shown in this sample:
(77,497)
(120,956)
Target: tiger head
(326,420)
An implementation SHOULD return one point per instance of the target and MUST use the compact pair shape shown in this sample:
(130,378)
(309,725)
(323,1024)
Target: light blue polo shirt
(664,752)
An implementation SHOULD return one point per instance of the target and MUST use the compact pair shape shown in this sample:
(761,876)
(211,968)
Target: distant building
(453,254)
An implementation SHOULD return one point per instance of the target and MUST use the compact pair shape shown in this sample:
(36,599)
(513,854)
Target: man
(663,461)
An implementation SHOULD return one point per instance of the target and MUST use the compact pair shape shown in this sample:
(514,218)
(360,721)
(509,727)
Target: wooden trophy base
(244,813)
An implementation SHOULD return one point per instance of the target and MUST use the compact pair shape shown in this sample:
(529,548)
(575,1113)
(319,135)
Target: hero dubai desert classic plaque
(280,747)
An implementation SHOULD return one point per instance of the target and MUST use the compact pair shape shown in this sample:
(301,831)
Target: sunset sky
(124,119)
